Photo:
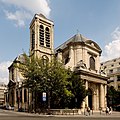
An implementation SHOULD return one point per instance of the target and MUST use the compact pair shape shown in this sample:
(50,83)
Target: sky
(98,20)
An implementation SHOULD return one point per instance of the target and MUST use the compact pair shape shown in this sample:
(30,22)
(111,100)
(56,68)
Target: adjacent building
(112,69)
(3,89)
(79,53)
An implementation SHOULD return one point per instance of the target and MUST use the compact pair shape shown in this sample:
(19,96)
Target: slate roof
(76,38)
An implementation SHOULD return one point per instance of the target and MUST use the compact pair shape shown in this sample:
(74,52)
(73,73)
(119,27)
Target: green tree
(113,96)
(78,90)
(50,77)
(64,88)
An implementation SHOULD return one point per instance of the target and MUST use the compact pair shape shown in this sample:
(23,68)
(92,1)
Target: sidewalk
(95,114)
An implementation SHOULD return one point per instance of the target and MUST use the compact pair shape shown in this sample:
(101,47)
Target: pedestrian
(110,110)
(88,110)
(107,110)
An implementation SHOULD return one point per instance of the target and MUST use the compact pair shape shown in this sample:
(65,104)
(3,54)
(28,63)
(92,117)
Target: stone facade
(78,53)
(112,69)
(16,96)
(83,55)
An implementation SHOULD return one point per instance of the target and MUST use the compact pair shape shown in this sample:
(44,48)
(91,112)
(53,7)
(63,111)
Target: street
(11,115)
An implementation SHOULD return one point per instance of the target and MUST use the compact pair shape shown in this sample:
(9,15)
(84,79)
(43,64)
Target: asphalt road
(10,115)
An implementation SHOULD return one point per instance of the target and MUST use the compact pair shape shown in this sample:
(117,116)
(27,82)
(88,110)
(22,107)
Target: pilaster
(86,99)
(101,96)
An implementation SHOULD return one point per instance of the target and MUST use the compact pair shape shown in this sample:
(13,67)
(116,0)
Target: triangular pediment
(93,45)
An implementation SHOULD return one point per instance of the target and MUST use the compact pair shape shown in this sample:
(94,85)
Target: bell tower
(41,36)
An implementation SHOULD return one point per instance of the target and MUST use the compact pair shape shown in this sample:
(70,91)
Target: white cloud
(4,73)
(19,17)
(25,9)
(112,49)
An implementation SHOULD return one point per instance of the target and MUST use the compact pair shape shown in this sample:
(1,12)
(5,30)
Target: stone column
(94,101)
(97,98)
(18,98)
(102,96)
(27,103)
(15,99)
(105,96)
(22,97)
(10,97)
(86,99)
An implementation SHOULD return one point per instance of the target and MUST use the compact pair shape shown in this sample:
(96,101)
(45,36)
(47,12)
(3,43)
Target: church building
(79,53)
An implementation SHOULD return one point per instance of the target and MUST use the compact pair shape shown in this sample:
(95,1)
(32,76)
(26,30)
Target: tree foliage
(78,90)
(64,87)
(113,96)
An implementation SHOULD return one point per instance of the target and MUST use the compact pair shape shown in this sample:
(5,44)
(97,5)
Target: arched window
(45,59)
(47,37)
(33,40)
(92,63)
(41,35)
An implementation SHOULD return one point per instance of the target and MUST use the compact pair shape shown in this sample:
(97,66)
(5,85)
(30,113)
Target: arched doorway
(90,98)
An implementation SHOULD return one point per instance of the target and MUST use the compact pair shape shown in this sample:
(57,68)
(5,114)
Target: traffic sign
(44,96)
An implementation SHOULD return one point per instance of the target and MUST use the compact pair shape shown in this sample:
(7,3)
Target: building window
(47,37)
(115,60)
(112,65)
(67,58)
(111,71)
(118,78)
(33,39)
(45,59)
(92,63)
(105,67)
(41,35)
